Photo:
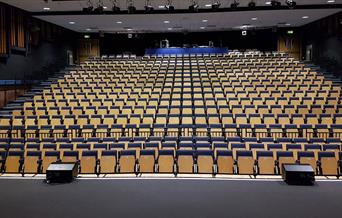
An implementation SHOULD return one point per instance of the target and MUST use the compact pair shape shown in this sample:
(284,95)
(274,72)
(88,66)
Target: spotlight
(291,4)
(252,4)
(115,7)
(275,4)
(194,6)
(169,5)
(99,8)
(234,5)
(89,7)
(131,8)
(215,6)
(148,7)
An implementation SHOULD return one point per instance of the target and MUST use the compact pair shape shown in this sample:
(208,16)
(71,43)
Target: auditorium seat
(166,161)
(185,161)
(48,157)
(127,161)
(14,161)
(308,157)
(328,163)
(205,161)
(284,157)
(265,162)
(88,162)
(245,162)
(108,162)
(147,161)
(225,161)
(32,162)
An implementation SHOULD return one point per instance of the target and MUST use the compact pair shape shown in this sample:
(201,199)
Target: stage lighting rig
(291,4)
(130,7)
(99,8)
(193,6)
(215,5)
(89,7)
(169,6)
(115,7)
(275,4)
(252,4)
(234,5)
(148,6)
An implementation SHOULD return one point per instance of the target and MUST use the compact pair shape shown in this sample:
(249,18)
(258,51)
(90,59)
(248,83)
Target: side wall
(32,49)
(325,36)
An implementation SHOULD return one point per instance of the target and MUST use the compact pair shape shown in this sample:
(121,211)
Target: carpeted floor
(168,198)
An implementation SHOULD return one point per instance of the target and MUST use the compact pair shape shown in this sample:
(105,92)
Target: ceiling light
(161,6)
(305,17)
(254,18)
(204,21)
(208,5)
(86,36)
(119,22)
(88,29)
(202,27)
(129,29)
(166,21)
(234,5)
(268,3)
(71,22)
(287,24)
(291,4)
(169,28)
(46,9)
(331,1)
(104,7)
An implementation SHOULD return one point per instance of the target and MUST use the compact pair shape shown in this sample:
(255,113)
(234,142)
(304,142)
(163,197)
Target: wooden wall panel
(3,33)
(290,45)
(88,48)
(17,20)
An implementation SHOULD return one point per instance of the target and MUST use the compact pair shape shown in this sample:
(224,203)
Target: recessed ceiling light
(287,24)
(71,22)
(268,3)
(104,7)
(305,17)
(254,18)
(169,28)
(119,22)
(46,9)
(129,29)
(88,29)
(202,27)
(204,21)
(208,5)
(161,6)
(331,1)
(166,21)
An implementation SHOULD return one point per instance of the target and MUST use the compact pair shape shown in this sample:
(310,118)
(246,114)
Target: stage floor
(168,198)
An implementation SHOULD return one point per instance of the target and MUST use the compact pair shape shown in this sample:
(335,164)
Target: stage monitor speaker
(298,174)
(61,172)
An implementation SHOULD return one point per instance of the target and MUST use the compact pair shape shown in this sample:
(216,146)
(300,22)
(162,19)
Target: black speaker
(60,172)
(298,174)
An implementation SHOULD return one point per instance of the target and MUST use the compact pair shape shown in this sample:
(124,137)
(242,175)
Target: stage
(168,198)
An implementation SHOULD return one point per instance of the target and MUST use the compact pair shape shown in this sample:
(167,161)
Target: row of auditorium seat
(169,161)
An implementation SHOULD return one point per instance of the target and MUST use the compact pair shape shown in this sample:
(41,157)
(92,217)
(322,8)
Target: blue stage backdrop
(158,51)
